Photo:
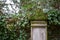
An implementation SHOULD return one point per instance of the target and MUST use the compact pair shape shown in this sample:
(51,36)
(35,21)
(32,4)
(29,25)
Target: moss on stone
(32,11)
(39,15)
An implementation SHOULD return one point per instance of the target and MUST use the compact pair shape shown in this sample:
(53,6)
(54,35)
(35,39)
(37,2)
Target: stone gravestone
(38,30)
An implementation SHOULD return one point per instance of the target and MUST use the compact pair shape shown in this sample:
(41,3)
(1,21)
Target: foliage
(11,26)
(54,20)
(55,4)
(53,11)
(9,6)
(54,17)
(5,33)
(16,26)
(33,10)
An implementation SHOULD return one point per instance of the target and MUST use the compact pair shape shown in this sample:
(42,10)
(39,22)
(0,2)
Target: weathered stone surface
(38,23)
(38,30)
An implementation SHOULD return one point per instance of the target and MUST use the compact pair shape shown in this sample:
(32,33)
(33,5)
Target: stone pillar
(38,30)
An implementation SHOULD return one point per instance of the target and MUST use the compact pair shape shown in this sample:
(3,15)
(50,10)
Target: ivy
(14,27)
(54,17)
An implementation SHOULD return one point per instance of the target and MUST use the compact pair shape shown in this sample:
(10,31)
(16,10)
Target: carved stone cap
(38,24)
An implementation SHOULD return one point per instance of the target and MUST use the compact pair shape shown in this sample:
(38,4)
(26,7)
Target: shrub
(12,26)
(54,17)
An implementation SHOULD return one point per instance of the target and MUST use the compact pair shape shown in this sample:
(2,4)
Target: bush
(54,17)
(12,26)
